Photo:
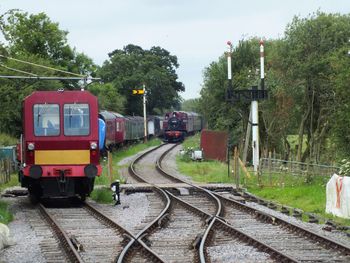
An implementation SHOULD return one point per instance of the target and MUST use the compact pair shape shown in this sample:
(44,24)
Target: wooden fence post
(234,167)
(110,167)
(269,168)
(2,171)
(8,174)
(237,166)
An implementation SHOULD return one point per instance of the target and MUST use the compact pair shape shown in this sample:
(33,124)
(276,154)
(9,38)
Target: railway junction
(164,217)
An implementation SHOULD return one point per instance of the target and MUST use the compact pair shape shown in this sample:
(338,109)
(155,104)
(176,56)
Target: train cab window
(76,119)
(46,120)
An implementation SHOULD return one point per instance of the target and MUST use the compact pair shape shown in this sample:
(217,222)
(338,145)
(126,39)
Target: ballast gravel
(335,235)
(129,214)
(27,248)
(237,253)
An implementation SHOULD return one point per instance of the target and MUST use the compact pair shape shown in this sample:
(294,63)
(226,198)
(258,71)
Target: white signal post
(144,113)
(255,113)
(229,76)
(262,69)
(229,71)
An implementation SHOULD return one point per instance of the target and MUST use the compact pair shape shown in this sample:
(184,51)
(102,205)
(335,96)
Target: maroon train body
(125,129)
(179,124)
(59,149)
(115,128)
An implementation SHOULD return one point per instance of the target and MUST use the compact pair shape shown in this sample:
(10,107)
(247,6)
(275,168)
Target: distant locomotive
(178,124)
(59,149)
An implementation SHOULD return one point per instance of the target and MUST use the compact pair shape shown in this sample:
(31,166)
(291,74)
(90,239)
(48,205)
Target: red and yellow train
(59,148)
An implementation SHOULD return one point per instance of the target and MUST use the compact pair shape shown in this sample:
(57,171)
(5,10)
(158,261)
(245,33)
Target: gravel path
(27,248)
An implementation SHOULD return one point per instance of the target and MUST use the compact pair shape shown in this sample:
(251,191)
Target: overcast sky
(195,31)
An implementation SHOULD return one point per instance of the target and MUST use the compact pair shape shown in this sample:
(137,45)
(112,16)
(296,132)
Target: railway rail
(88,235)
(190,224)
(236,222)
(201,209)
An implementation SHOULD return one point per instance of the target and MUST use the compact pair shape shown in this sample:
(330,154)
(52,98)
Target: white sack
(338,196)
(5,239)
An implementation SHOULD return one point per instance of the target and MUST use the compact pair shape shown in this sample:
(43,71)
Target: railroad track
(299,243)
(179,233)
(245,227)
(86,234)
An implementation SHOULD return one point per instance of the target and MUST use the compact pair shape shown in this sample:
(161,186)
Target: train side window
(46,120)
(76,119)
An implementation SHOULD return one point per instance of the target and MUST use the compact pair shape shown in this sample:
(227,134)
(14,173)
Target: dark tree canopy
(307,74)
(133,66)
(35,39)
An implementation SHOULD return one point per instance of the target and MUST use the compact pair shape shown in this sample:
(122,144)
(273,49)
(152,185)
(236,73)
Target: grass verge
(102,195)
(5,215)
(283,188)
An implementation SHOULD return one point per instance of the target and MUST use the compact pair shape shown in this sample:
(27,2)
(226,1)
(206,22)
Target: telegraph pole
(144,113)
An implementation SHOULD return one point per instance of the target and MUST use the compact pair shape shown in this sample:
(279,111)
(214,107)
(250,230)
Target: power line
(17,70)
(47,78)
(42,66)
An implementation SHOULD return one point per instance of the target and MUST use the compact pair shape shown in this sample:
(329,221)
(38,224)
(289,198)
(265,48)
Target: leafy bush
(7,140)
(344,167)
(5,215)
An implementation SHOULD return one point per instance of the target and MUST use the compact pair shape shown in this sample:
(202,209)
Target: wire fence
(277,172)
(296,168)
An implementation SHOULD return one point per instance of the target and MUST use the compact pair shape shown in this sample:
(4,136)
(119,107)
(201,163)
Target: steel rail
(328,242)
(154,223)
(281,257)
(213,220)
(102,217)
(131,168)
(202,253)
(62,236)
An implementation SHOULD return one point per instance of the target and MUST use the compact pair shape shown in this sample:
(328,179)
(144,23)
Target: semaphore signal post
(254,94)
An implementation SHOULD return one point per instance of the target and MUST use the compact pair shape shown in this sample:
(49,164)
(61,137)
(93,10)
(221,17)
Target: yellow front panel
(62,157)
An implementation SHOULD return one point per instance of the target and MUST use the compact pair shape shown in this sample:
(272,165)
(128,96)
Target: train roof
(110,114)
(64,95)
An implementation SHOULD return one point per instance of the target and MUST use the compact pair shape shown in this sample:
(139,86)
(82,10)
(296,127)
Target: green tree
(36,39)
(309,45)
(132,67)
(108,97)
(191,105)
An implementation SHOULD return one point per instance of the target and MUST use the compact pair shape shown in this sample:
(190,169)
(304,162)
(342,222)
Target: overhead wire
(18,70)
(42,66)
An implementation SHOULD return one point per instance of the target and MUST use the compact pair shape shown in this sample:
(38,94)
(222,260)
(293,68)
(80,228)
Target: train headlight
(31,146)
(93,145)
